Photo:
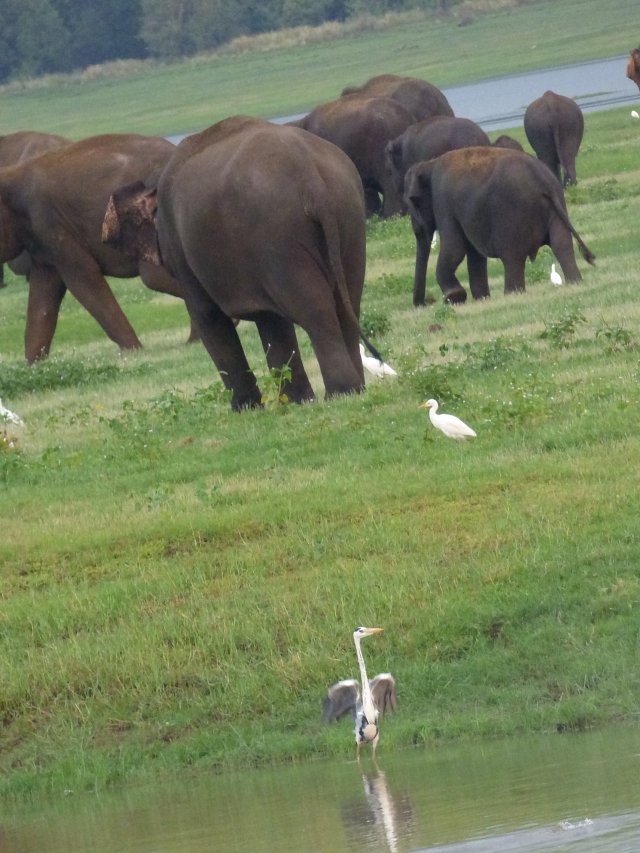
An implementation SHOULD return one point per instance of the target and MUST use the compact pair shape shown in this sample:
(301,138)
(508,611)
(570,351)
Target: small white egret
(434,240)
(9,417)
(635,114)
(450,425)
(373,365)
(368,708)
(556,278)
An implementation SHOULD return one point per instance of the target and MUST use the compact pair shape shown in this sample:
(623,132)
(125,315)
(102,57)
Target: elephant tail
(320,206)
(586,253)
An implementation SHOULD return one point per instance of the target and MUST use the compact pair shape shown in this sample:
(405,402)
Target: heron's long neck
(367,701)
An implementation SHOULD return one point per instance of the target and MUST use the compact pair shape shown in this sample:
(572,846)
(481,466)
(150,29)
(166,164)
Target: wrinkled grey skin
(361,126)
(487,203)
(428,139)
(554,126)
(53,206)
(420,98)
(14,148)
(237,254)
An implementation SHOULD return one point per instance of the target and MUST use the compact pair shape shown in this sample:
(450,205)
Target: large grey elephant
(487,202)
(361,126)
(554,126)
(53,206)
(264,223)
(421,98)
(14,148)
(428,139)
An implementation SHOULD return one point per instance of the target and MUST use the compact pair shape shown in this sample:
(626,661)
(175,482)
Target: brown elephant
(53,206)
(506,141)
(487,203)
(428,139)
(554,126)
(633,66)
(14,148)
(362,126)
(264,223)
(422,99)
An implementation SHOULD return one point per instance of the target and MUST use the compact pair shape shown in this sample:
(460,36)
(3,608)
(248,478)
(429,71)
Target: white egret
(450,425)
(10,417)
(634,114)
(555,277)
(434,240)
(375,366)
(366,708)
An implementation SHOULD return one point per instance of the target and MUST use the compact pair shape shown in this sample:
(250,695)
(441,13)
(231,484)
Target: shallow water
(560,792)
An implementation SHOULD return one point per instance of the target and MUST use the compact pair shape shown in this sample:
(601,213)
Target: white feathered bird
(10,417)
(366,708)
(555,277)
(375,366)
(450,425)
(634,114)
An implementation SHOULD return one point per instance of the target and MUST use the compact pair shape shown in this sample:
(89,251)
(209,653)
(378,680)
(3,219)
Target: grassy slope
(179,583)
(183,98)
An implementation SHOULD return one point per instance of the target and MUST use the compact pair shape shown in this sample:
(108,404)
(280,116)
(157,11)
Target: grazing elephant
(428,139)
(361,126)
(633,66)
(14,148)
(554,126)
(487,203)
(422,99)
(53,206)
(265,223)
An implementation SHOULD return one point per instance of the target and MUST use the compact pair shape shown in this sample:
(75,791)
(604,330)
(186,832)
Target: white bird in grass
(10,417)
(368,708)
(373,365)
(634,114)
(434,240)
(556,278)
(450,425)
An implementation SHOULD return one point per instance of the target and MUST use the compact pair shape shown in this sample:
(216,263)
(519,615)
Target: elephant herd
(264,222)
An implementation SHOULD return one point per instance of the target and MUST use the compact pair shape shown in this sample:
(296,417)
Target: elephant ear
(416,183)
(129,222)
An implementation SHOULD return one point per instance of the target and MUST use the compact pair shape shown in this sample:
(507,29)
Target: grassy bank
(283,81)
(179,583)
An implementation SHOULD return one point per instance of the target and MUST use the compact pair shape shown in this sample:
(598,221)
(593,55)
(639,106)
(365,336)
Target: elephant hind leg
(478,277)
(281,348)
(514,281)
(561,244)
(453,247)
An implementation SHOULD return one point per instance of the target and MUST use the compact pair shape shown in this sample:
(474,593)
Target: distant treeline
(47,36)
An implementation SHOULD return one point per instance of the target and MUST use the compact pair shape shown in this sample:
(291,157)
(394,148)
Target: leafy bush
(561,332)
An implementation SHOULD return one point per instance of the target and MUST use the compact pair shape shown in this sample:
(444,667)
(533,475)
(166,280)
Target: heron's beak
(375,630)
(423,406)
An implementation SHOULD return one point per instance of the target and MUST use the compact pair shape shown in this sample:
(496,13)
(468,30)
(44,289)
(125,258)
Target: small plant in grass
(445,316)
(615,338)
(394,284)
(525,398)
(496,353)
(561,332)
(374,324)
(437,380)
(11,459)
(274,384)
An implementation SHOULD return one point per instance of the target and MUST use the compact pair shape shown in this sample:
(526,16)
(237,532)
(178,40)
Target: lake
(555,792)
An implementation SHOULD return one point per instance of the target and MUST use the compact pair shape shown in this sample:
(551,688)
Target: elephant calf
(264,223)
(487,203)
(428,139)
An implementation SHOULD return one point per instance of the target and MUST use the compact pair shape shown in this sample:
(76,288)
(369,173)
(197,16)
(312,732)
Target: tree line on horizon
(49,36)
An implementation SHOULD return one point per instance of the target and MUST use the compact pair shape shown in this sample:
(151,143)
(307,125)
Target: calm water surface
(553,793)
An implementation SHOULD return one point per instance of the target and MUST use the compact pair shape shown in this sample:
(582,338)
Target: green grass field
(179,583)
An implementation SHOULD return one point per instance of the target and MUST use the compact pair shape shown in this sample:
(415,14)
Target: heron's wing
(383,691)
(341,699)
